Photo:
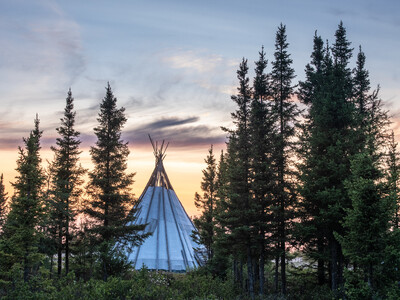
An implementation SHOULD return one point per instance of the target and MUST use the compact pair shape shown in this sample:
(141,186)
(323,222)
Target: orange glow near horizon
(183,166)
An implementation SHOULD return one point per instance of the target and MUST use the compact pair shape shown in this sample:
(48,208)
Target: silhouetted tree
(282,91)
(311,233)
(109,185)
(205,223)
(66,179)
(20,239)
(263,139)
(239,216)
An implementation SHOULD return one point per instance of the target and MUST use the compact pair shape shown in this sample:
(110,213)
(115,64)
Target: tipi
(170,246)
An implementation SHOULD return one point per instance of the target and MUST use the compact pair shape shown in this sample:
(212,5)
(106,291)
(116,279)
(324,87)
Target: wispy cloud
(180,132)
(210,77)
(173,121)
(10,143)
(41,56)
(200,61)
(177,131)
(13,143)
(193,61)
(40,52)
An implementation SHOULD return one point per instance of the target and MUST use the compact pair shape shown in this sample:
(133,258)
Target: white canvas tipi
(170,246)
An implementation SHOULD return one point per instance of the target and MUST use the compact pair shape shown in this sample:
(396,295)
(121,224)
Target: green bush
(38,287)
(194,285)
(356,287)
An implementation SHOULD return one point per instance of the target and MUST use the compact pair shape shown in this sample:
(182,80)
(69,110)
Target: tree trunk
(256,272)
(283,267)
(282,241)
(241,274)
(281,221)
(59,251)
(321,271)
(67,241)
(334,265)
(235,271)
(67,253)
(261,270)
(276,273)
(250,273)
(340,266)
(321,263)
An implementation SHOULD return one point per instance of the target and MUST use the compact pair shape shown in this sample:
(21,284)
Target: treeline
(48,228)
(319,184)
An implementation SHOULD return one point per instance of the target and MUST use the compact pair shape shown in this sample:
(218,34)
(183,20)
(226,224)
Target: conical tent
(170,246)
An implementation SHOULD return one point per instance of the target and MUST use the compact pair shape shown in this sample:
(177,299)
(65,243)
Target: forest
(302,204)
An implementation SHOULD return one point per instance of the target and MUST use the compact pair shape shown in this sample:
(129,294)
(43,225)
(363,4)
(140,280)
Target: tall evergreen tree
(205,223)
(328,144)
(262,138)
(230,210)
(109,185)
(221,247)
(239,216)
(19,244)
(282,90)
(311,231)
(3,203)
(367,222)
(336,122)
(67,177)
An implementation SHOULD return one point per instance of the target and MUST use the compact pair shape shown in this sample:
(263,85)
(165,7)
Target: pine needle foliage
(110,207)
(20,239)
(66,181)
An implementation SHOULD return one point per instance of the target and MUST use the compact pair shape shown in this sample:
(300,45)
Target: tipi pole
(147,218)
(177,228)
(165,225)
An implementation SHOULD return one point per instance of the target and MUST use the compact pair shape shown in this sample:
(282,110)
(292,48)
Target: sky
(171,64)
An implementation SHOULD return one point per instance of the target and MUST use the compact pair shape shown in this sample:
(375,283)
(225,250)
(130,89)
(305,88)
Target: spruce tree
(109,185)
(262,138)
(311,232)
(282,90)
(336,123)
(20,241)
(329,144)
(3,203)
(370,216)
(67,177)
(205,223)
(367,221)
(221,247)
(230,210)
(239,217)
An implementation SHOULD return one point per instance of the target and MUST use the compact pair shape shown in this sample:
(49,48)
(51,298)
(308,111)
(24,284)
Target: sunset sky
(171,64)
